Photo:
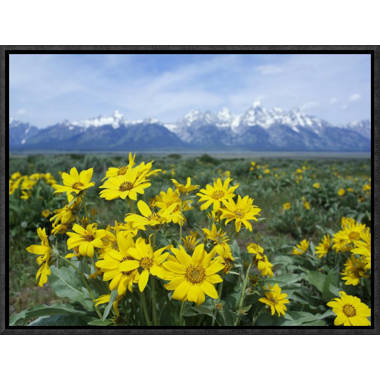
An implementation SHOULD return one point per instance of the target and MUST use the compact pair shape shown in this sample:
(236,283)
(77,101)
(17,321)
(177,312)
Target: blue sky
(45,89)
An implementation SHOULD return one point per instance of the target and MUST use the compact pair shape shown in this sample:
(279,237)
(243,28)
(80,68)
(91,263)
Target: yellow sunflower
(241,212)
(256,250)
(265,266)
(301,248)
(192,277)
(123,186)
(171,200)
(148,217)
(217,194)
(217,236)
(143,257)
(114,267)
(275,299)
(354,269)
(224,256)
(341,192)
(87,239)
(323,247)
(43,251)
(75,182)
(187,188)
(363,247)
(350,311)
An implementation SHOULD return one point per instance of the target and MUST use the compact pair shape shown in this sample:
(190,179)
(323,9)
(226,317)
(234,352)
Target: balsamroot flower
(275,300)
(322,248)
(192,277)
(87,239)
(241,211)
(144,258)
(350,311)
(43,251)
(127,185)
(301,248)
(75,182)
(217,194)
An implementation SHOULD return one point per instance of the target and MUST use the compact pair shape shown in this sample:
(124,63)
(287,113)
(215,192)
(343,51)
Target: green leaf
(317,279)
(108,308)
(300,318)
(286,279)
(100,322)
(44,310)
(282,259)
(15,319)
(235,249)
(200,310)
(61,320)
(66,283)
(228,316)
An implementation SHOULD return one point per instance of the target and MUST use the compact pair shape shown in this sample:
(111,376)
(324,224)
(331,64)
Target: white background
(195,22)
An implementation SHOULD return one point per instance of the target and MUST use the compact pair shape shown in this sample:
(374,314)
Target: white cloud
(333,100)
(309,105)
(21,111)
(354,97)
(269,69)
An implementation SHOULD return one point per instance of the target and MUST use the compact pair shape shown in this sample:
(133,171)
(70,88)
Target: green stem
(180,318)
(242,295)
(256,317)
(219,296)
(85,283)
(180,233)
(145,310)
(85,209)
(154,313)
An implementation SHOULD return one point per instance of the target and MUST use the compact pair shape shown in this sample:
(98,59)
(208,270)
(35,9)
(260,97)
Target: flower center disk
(349,310)
(122,171)
(354,235)
(77,185)
(125,186)
(146,262)
(89,237)
(195,275)
(217,194)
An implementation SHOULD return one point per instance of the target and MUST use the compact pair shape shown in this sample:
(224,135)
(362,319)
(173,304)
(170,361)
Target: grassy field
(312,184)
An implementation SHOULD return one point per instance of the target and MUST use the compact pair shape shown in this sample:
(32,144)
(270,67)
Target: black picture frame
(5,51)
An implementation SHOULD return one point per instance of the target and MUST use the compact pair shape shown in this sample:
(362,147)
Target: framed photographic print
(193,190)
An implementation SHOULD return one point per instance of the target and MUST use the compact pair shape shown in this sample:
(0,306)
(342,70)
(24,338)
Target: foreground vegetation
(194,241)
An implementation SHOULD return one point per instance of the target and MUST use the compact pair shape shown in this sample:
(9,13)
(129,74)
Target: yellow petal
(38,249)
(193,293)
(143,280)
(209,289)
(115,281)
(174,267)
(122,288)
(128,265)
(181,291)
(198,254)
(144,209)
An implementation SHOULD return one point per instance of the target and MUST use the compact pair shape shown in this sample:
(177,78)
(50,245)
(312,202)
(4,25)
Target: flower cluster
(26,183)
(178,252)
(131,253)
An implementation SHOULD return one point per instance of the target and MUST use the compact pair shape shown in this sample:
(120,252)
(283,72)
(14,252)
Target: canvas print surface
(190,190)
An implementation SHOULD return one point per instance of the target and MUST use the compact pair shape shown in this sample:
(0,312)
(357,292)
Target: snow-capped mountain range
(255,129)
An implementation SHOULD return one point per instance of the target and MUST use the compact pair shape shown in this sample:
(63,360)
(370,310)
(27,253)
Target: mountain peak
(115,120)
(256,104)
